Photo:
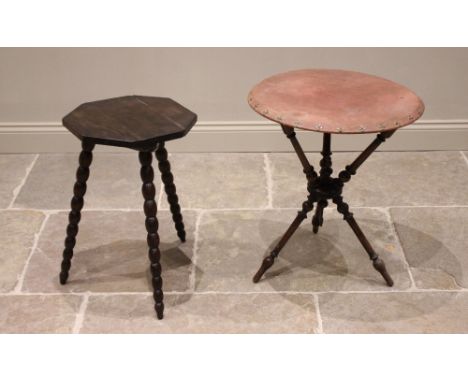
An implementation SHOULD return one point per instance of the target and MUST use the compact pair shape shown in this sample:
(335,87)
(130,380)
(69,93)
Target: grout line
(464,157)
(319,315)
(213,292)
(397,237)
(18,188)
(196,231)
(422,206)
(269,180)
(52,211)
(19,284)
(161,192)
(80,315)
(332,291)
(45,210)
(389,291)
(83,293)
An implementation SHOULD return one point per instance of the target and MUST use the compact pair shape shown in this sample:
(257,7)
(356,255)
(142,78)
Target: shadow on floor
(312,252)
(124,266)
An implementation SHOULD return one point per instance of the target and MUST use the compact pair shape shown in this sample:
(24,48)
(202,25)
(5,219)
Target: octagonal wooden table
(143,124)
(333,102)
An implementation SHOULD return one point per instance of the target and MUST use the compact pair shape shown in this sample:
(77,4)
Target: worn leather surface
(335,101)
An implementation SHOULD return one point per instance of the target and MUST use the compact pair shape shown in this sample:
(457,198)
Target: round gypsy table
(333,102)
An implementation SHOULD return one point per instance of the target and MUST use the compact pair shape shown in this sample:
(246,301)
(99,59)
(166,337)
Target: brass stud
(362,128)
(339,129)
(279,118)
(410,117)
(397,124)
(265,112)
(382,126)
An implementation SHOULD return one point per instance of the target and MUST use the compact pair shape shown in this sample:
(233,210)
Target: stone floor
(413,207)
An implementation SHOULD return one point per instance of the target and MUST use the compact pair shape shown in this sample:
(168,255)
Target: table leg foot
(159,308)
(379,265)
(270,259)
(266,264)
(317,220)
(377,262)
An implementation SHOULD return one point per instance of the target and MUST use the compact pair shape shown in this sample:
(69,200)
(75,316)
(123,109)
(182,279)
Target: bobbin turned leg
(378,263)
(74,217)
(148,190)
(170,188)
(268,261)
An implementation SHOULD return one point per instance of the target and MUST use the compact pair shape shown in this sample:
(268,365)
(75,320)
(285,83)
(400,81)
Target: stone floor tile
(114,182)
(111,254)
(465,157)
(420,312)
(207,313)
(385,179)
(13,169)
(219,180)
(17,232)
(289,184)
(38,314)
(435,241)
(233,243)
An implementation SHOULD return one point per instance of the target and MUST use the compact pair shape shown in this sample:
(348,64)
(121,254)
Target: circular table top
(335,101)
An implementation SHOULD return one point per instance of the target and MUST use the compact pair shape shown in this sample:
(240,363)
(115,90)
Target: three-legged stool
(143,124)
(333,102)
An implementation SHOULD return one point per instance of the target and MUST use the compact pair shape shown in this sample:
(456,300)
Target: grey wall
(43,84)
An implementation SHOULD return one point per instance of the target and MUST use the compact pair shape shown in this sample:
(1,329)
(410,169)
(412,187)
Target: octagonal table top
(335,101)
(137,122)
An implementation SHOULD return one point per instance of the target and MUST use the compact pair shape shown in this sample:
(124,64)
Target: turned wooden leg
(170,188)
(317,220)
(148,190)
(309,171)
(326,161)
(74,217)
(270,259)
(378,263)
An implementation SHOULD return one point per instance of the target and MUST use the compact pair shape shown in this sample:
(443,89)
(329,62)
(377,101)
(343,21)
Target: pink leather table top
(335,101)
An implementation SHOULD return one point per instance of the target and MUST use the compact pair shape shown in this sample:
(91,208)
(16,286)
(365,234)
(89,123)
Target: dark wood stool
(139,123)
(333,102)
